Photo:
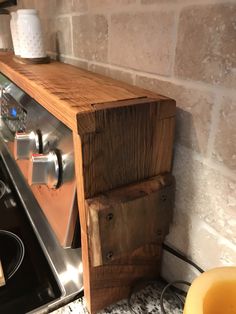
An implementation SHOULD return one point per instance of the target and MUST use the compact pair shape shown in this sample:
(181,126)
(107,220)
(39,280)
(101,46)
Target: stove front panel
(34,136)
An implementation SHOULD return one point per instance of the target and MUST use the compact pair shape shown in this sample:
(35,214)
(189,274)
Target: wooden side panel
(126,145)
(120,145)
(112,283)
(109,283)
(83,218)
(128,218)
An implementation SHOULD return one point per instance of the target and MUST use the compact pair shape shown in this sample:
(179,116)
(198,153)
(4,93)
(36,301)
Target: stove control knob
(45,169)
(27,143)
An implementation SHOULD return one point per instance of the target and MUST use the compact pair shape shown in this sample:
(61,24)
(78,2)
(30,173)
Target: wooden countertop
(67,91)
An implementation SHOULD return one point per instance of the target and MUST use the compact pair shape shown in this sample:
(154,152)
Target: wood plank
(166,106)
(111,283)
(83,219)
(65,91)
(124,145)
(123,220)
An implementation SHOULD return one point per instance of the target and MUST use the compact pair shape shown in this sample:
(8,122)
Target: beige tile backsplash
(185,50)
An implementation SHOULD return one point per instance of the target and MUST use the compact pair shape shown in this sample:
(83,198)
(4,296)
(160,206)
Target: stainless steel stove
(38,205)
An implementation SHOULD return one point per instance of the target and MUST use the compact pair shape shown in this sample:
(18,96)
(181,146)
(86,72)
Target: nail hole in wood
(109,217)
(164,197)
(109,255)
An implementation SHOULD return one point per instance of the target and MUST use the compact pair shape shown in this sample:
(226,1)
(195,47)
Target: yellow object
(2,278)
(213,292)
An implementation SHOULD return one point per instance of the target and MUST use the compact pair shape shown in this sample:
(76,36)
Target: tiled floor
(143,302)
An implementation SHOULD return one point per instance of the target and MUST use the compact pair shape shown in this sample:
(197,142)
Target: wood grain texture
(83,218)
(67,91)
(110,283)
(106,284)
(126,144)
(123,220)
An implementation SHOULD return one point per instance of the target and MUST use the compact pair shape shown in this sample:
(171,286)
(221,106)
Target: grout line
(225,241)
(131,8)
(212,164)
(174,80)
(108,38)
(205,2)
(186,82)
(221,238)
(68,56)
(196,85)
(137,6)
(175,39)
(71,36)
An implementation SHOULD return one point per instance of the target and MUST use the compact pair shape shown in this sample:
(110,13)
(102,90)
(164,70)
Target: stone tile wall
(185,49)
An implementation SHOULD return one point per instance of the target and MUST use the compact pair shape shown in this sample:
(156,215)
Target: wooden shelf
(123,137)
(67,91)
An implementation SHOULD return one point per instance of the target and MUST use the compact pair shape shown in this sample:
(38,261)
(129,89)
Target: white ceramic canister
(14,33)
(5,32)
(30,34)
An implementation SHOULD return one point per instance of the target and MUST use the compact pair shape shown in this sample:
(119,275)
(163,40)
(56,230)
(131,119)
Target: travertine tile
(209,248)
(107,4)
(90,36)
(63,7)
(70,6)
(142,41)
(206,44)
(205,192)
(53,8)
(200,242)
(113,73)
(193,117)
(78,63)
(158,1)
(225,141)
(99,37)
(58,35)
(121,76)
(98,69)
(63,35)
(79,5)
(27,4)
(46,9)
(173,268)
(82,36)
(48,29)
